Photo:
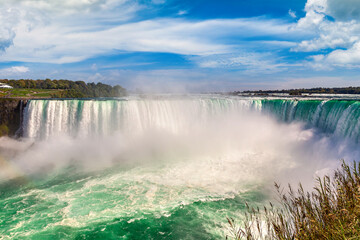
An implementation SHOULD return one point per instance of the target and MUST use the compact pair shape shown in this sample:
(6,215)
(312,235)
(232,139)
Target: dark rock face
(11,113)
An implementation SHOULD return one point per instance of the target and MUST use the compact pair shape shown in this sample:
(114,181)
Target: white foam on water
(155,156)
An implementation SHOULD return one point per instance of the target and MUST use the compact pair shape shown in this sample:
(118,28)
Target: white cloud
(64,6)
(182,12)
(158,1)
(97,77)
(19,69)
(319,6)
(94,67)
(315,14)
(332,35)
(8,18)
(19,17)
(14,71)
(344,10)
(60,42)
(249,62)
(311,21)
(349,57)
(340,37)
(74,30)
(292,13)
(61,45)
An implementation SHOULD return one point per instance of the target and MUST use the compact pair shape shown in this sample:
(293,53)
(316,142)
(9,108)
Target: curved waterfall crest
(46,118)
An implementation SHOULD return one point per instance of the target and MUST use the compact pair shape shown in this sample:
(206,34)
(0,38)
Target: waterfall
(159,164)
(45,118)
(80,118)
(339,117)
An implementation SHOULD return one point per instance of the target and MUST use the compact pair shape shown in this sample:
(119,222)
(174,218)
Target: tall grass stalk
(330,211)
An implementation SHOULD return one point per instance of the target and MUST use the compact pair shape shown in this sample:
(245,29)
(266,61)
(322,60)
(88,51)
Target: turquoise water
(116,204)
(158,168)
(339,117)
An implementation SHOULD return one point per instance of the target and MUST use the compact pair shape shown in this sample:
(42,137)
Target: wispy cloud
(292,13)
(66,6)
(59,43)
(248,62)
(182,12)
(13,71)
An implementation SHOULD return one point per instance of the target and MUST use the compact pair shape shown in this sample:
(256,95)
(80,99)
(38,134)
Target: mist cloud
(222,155)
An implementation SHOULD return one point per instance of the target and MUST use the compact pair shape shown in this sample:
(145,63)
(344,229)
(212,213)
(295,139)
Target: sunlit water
(163,168)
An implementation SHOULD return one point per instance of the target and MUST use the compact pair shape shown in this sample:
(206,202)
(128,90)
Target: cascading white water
(45,118)
(81,118)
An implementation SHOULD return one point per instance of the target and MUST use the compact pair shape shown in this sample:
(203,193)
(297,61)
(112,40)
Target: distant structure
(3,85)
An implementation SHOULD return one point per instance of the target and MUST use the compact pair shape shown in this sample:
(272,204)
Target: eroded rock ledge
(11,114)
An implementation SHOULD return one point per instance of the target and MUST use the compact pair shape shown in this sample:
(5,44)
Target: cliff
(11,111)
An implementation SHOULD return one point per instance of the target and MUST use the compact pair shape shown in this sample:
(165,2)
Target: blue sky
(173,45)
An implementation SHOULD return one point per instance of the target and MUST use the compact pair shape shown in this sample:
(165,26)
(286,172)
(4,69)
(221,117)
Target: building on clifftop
(3,85)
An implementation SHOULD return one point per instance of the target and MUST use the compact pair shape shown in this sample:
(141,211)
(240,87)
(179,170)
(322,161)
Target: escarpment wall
(11,111)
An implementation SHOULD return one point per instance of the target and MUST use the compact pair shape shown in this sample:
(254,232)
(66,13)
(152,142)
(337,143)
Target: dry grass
(330,211)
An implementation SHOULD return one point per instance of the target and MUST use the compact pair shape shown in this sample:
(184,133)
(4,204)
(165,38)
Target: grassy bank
(330,211)
(59,89)
(29,93)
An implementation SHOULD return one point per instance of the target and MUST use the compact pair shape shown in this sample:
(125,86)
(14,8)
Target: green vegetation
(4,130)
(331,211)
(59,89)
(28,93)
(295,93)
(344,90)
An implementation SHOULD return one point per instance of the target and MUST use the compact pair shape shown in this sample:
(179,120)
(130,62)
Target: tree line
(342,90)
(69,89)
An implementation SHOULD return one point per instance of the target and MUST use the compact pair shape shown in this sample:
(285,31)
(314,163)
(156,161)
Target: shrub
(331,211)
